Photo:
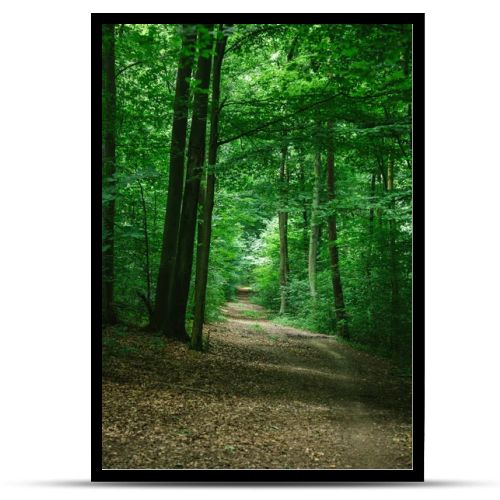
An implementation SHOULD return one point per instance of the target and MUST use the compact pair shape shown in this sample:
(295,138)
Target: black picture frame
(265,476)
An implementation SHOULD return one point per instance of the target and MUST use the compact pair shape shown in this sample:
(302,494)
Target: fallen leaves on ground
(266,397)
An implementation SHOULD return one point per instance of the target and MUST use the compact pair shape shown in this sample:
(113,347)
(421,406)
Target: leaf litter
(272,397)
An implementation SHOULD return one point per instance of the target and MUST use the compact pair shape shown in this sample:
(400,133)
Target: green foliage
(280,86)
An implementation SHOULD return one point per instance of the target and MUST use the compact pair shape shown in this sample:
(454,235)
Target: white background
(45,248)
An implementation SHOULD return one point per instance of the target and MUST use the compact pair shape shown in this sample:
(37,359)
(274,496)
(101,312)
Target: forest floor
(263,396)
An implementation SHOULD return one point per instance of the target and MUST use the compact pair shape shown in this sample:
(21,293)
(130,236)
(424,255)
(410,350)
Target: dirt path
(264,396)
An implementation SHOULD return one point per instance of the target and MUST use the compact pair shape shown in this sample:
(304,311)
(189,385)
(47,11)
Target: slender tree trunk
(284,268)
(155,212)
(314,236)
(338,294)
(369,255)
(305,218)
(179,293)
(176,177)
(395,298)
(382,171)
(147,269)
(205,228)
(283,232)
(371,218)
(108,171)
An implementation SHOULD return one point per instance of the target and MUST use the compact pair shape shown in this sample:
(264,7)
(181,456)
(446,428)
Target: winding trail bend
(263,396)
(358,411)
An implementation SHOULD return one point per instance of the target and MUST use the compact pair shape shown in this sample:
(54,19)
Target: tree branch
(121,70)
(296,112)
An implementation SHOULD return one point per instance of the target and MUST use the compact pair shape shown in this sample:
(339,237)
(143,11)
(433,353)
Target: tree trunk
(283,232)
(371,219)
(395,299)
(155,212)
(382,171)
(338,294)
(369,255)
(205,227)
(108,171)
(179,293)
(284,269)
(305,218)
(314,236)
(176,177)
(147,268)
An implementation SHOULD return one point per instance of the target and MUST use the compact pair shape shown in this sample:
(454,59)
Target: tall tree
(108,171)
(179,291)
(205,227)
(395,299)
(284,268)
(146,298)
(268,131)
(369,254)
(305,207)
(338,294)
(176,177)
(314,235)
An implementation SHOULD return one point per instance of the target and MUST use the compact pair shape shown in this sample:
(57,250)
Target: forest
(257,245)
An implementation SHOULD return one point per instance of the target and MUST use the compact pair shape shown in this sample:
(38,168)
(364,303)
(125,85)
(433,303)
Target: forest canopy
(276,157)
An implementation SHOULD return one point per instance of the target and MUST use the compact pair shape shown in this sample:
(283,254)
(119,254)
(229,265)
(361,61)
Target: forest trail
(245,313)
(263,396)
